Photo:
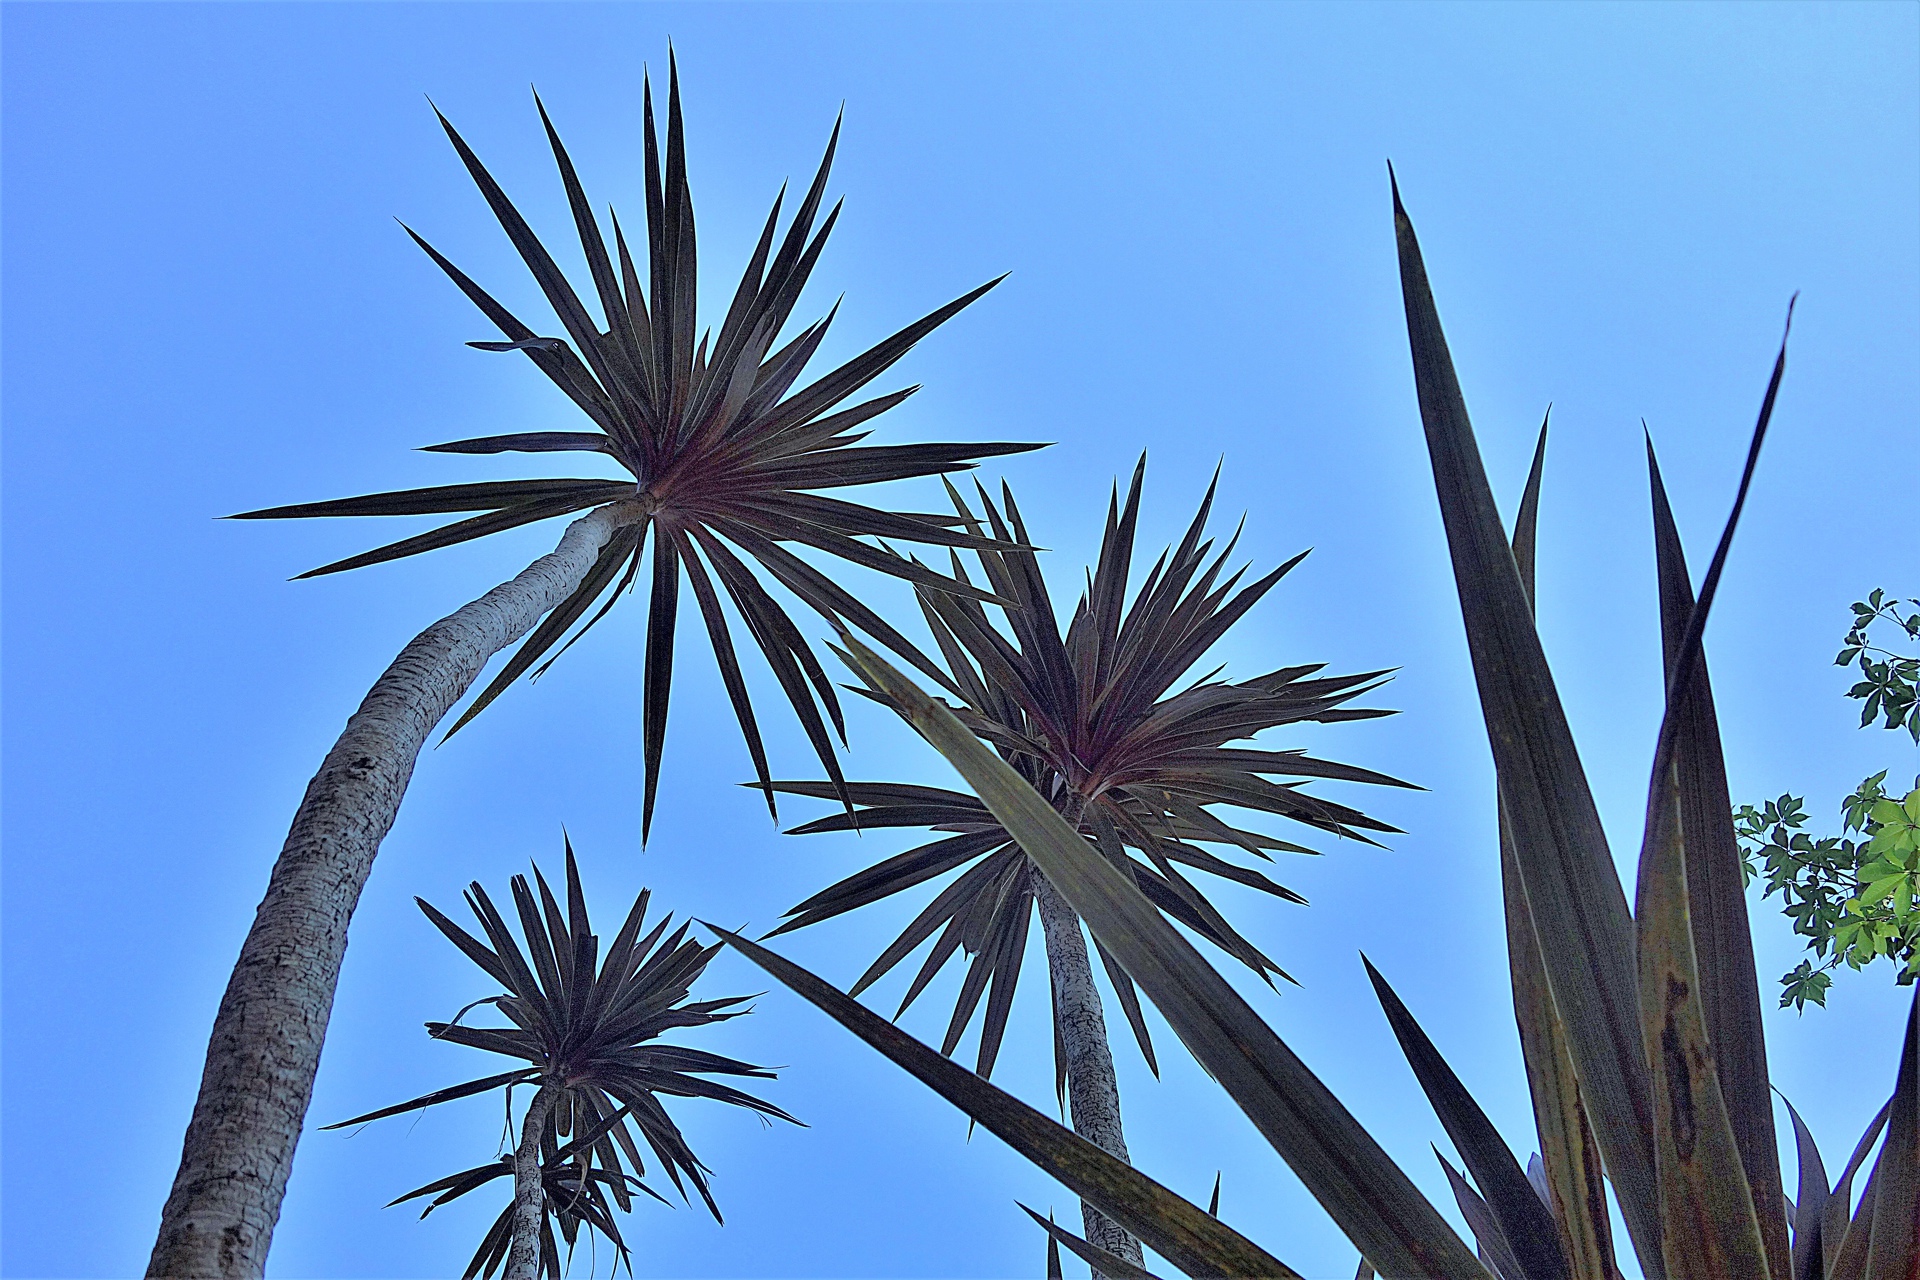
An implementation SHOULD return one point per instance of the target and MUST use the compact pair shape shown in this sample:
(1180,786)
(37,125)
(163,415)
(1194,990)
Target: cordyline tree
(1640,1029)
(725,461)
(587,1025)
(1093,720)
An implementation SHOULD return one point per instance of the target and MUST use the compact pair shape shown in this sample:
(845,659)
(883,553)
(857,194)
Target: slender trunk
(266,1039)
(1093,1095)
(529,1193)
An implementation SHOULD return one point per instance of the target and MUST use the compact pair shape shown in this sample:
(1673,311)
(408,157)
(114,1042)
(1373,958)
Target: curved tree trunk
(1093,1094)
(267,1035)
(529,1193)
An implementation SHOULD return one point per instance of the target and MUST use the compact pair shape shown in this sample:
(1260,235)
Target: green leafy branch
(1890,684)
(1854,899)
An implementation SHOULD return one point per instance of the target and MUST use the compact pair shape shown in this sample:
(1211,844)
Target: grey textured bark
(1093,1094)
(266,1039)
(529,1195)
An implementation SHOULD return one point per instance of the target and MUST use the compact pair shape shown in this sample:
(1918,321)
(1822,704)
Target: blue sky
(208,308)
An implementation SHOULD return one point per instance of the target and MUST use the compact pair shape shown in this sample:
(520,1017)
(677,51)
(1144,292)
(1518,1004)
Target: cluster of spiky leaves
(589,1025)
(1640,1030)
(727,460)
(1093,720)
(575,1198)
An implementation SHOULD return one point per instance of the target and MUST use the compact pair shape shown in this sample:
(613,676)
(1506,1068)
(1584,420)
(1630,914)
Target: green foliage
(1888,682)
(1855,897)
(1855,900)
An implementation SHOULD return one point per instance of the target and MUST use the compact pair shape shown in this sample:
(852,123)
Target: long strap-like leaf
(1809,1202)
(1111,1265)
(1368,1195)
(1834,1221)
(1716,900)
(1570,1157)
(1570,1160)
(1579,909)
(1523,1227)
(1709,1224)
(1708,1227)
(1194,1241)
(1893,1247)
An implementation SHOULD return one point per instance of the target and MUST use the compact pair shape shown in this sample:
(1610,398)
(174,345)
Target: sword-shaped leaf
(721,638)
(843,467)
(1495,1252)
(1191,1239)
(816,399)
(1710,1225)
(526,442)
(1525,1230)
(780,643)
(1835,1222)
(1575,1188)
(1810,1202)
(460,531)
(623,548)
(1893,1246)
(1716,898)
(438,1096)
(1103,1263)
(659,666)
(1851,1263)
(553,283)
(489,496)
(552,356)
(594,246)
(1579,909)
(1709,1231)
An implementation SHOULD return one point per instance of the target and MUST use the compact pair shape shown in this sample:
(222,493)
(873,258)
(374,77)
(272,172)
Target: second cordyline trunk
(1093,1093)
(529,1193)
(265,1046)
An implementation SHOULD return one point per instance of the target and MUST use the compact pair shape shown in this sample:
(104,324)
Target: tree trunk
(266,1038)
(529,1193)
(1093,1094)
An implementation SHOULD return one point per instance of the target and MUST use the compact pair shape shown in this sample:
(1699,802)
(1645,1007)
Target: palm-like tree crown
(1092,721)
(588,1026)
(725,458)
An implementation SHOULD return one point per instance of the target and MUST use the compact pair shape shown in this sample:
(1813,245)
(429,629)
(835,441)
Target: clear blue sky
(208,308)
